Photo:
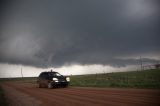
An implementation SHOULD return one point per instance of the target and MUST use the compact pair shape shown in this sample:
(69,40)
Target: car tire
(65,86)
(50,86)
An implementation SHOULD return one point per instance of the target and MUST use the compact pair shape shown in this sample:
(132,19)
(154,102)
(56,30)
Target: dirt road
(25,94)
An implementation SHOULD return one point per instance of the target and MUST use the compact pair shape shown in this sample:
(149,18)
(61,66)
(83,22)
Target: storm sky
(56,33)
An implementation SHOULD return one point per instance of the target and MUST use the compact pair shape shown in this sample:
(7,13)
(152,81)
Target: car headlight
(55,79)
(68,79)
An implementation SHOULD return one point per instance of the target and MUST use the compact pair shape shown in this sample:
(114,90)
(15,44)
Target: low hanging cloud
(45,33)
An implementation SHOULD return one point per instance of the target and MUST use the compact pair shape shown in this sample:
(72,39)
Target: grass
(24,80)
(3,101)
(135,79)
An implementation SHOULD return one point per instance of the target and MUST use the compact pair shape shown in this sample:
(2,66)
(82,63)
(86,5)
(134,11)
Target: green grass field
(135,79)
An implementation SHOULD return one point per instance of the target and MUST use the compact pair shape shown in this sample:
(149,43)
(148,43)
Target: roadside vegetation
(3,100)
(134,79)
(19,79)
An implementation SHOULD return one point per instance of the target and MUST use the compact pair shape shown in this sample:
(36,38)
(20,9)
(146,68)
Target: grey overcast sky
(54,33)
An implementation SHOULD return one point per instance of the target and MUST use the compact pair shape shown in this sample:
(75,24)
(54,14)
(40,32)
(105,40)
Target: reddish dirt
(24,94)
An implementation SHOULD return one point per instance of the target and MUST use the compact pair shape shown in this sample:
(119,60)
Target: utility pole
(141,63)
(21,72)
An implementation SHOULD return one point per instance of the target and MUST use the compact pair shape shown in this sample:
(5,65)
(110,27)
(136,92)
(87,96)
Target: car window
(41,75)
(57,74)
(54,74)
(44,75)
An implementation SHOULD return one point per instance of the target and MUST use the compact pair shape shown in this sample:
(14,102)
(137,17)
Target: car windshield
(54,74)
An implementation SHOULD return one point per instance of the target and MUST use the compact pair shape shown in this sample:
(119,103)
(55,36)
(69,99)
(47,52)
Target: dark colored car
(52,79)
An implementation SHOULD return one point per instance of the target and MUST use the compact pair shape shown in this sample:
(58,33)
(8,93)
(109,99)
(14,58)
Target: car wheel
(65,86)
(50,86)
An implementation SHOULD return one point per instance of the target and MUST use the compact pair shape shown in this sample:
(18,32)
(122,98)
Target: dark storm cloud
(57,32)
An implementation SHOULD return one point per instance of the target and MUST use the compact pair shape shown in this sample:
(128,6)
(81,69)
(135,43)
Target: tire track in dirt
(71,99)
(18,98)
(102,98)
(119,99)
(84,99)
(90,96)
(47,96)
(126,95)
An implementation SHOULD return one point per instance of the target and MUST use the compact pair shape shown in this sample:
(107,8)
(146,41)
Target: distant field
(25,79)
(135,79)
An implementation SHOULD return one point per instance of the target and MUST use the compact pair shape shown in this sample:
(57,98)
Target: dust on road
(25,94)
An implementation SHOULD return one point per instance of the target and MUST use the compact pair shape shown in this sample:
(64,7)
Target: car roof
(49,72)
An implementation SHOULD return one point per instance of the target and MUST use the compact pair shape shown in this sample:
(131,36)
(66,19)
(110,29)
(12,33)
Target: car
(52,79)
